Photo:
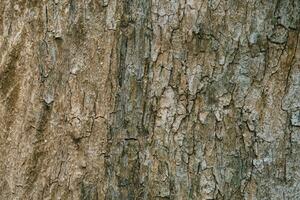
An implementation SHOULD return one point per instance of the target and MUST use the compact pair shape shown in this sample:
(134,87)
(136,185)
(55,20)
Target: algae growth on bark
(149,99)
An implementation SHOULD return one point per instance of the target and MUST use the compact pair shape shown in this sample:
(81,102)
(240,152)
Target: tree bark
(150,99)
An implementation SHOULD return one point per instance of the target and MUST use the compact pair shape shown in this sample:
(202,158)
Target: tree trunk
(149,99)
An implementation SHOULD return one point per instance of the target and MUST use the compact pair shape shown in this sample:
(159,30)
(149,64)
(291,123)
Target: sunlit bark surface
(149,99)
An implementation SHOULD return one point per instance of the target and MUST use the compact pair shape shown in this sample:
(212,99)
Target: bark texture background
(150,99)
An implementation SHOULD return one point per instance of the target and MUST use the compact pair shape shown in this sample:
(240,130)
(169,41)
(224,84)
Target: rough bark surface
(149,99)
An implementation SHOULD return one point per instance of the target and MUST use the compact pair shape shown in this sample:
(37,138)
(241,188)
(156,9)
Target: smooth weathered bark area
(150,99)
